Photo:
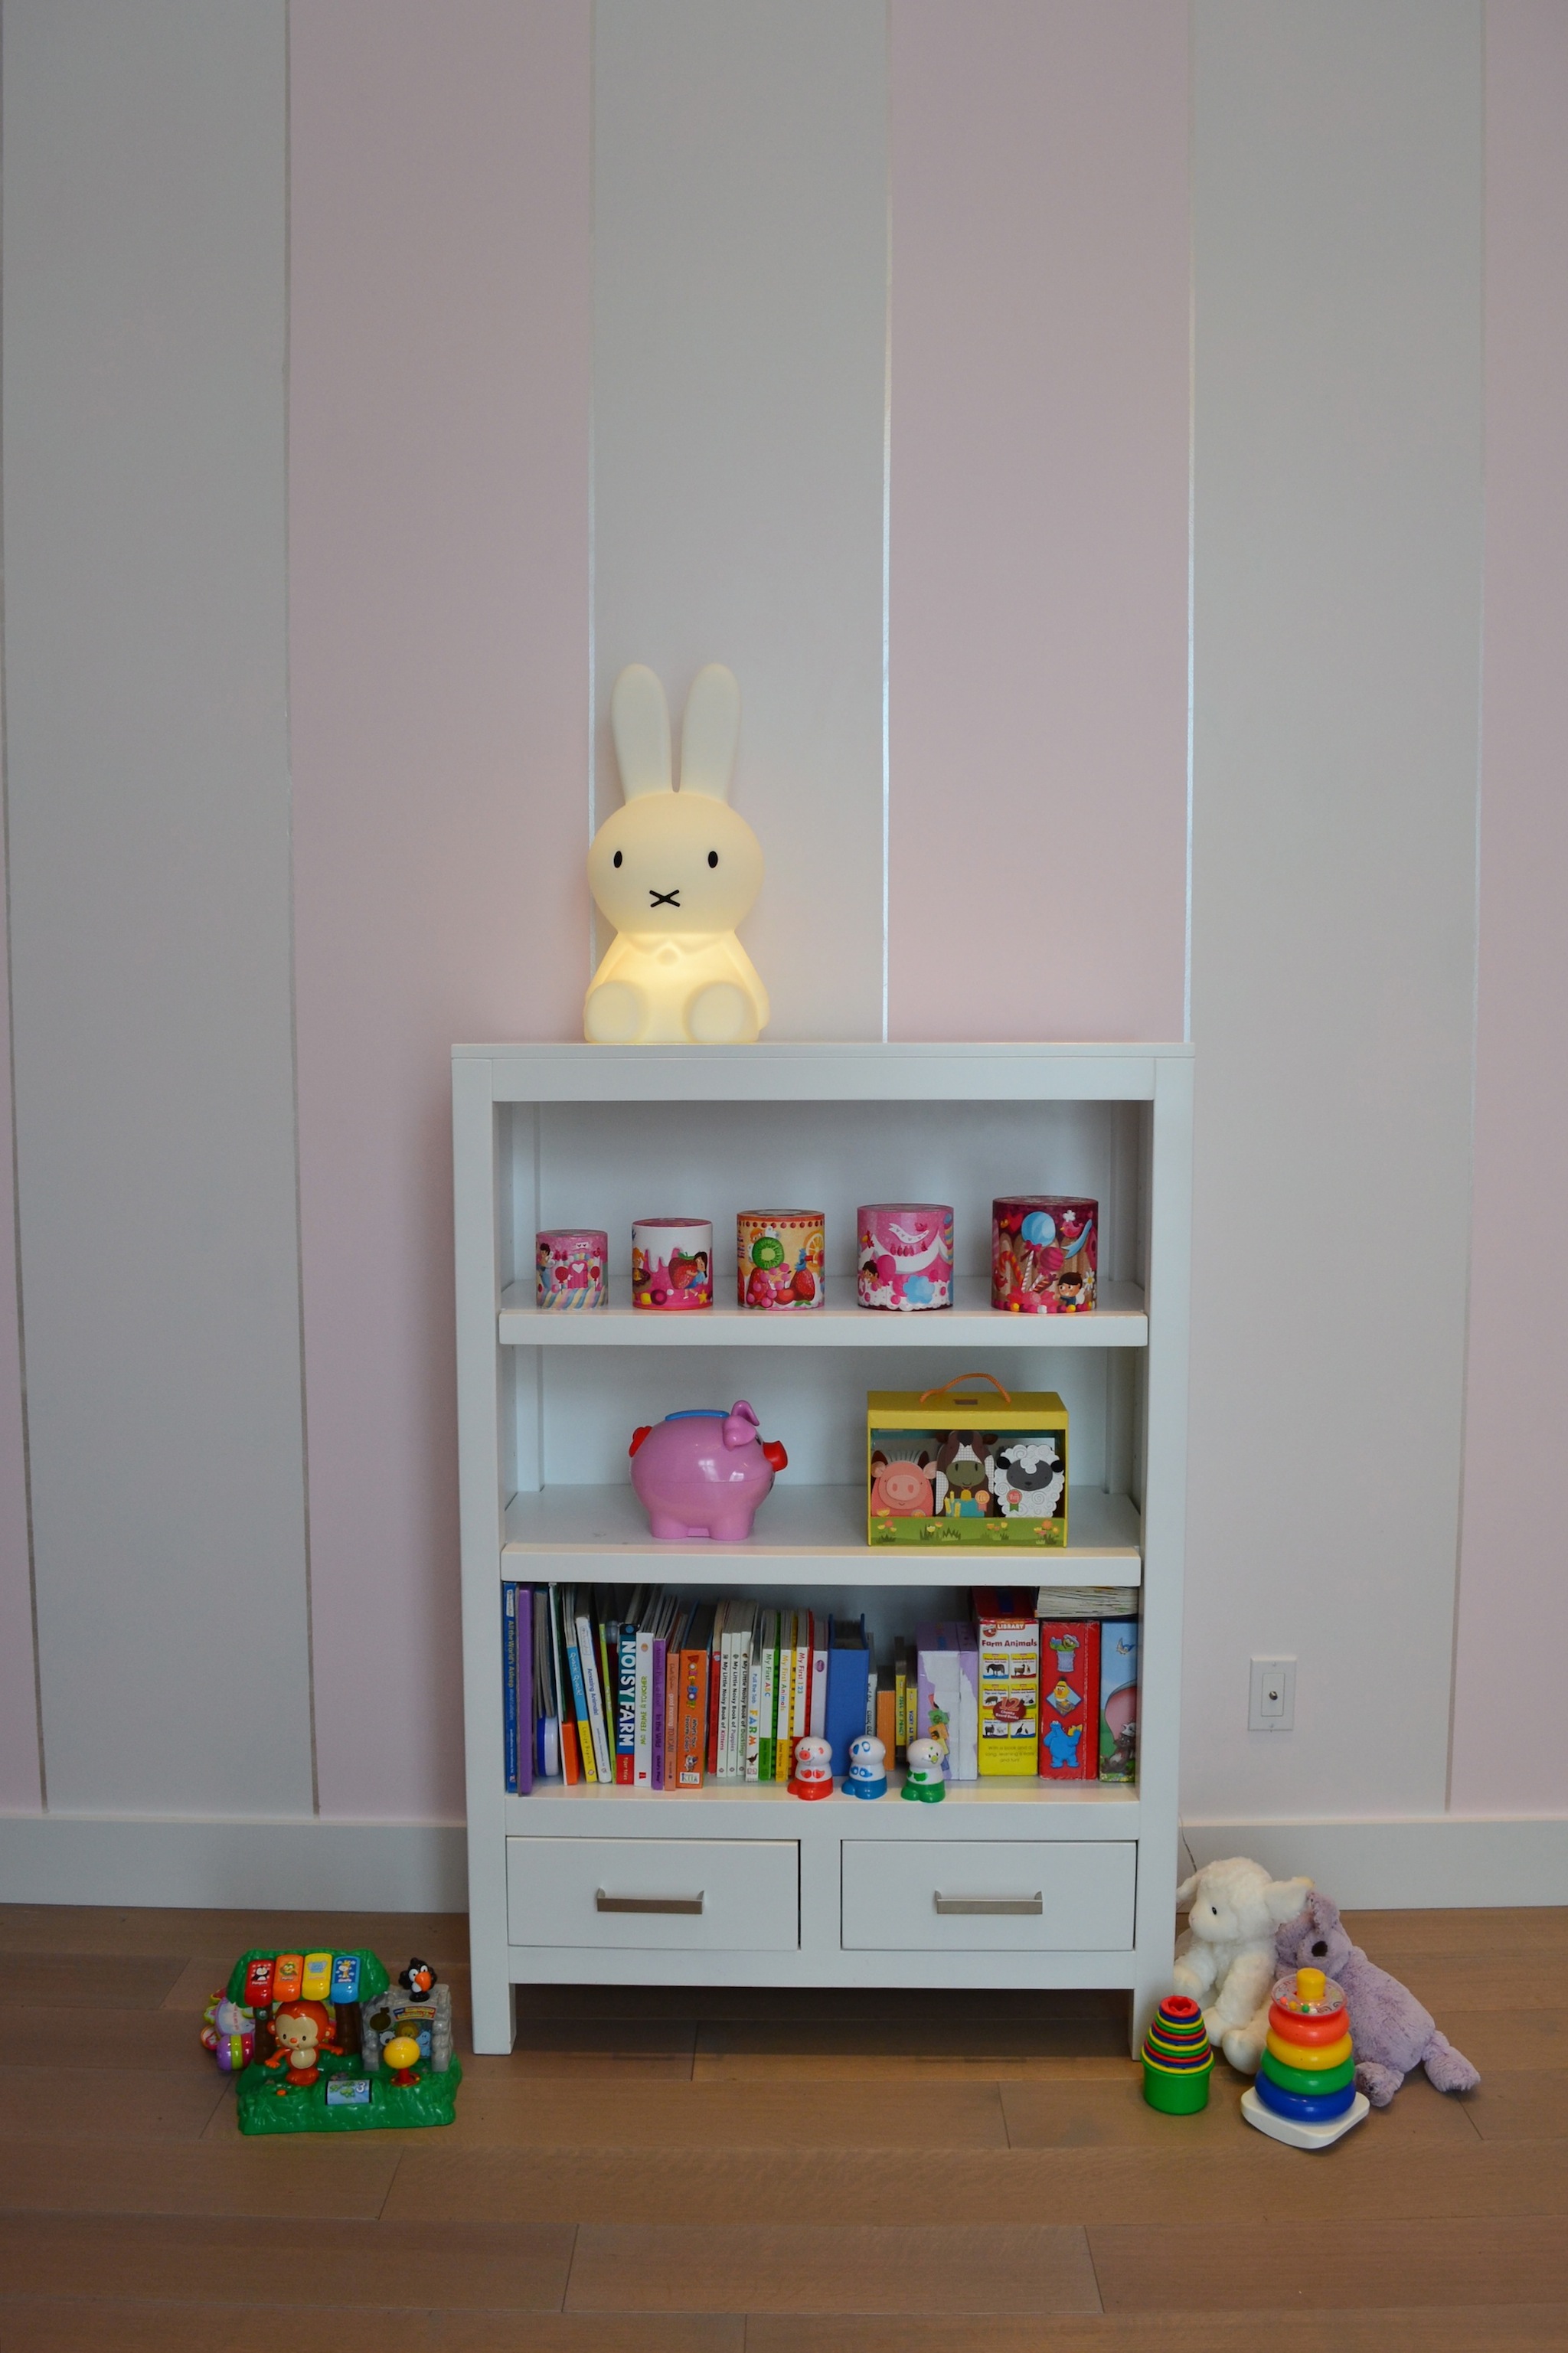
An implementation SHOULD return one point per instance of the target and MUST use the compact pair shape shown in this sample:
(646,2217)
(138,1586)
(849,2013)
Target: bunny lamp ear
(709,733)
(640,716)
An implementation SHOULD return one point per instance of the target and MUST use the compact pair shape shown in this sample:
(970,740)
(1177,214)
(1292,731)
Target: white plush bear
(675,872)
(1225,1956)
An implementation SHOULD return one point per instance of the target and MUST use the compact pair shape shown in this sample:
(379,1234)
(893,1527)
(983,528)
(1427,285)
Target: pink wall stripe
(439,412)
(1039,518)
(1511,1731)
(19,1791)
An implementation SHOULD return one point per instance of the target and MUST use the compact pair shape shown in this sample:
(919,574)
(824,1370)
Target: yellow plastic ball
(400,2052)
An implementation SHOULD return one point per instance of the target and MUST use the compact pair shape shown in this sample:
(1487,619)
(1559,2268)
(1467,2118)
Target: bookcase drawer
(988,1895)
(698,1895)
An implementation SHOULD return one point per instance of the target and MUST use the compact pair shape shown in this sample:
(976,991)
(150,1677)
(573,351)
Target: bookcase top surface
(802,1072)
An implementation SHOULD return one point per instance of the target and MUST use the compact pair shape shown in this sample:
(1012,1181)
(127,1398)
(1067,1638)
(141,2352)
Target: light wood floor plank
(1525,2106)
(1508,2041)
(854,2267)
(36,2327)
(138,2039)
(491,2266)
(336,2179)
(1249,2179)
(1535,2330)
(1533,1929)
(67,1981)
(1070,2115)
(78,2104)
(1448,2262)
(1450,1982)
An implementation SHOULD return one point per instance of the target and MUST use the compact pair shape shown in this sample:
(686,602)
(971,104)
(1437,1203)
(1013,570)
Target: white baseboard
(238,1866)
(1407,1863)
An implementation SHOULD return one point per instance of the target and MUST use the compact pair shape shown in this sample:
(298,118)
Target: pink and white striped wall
(484,518)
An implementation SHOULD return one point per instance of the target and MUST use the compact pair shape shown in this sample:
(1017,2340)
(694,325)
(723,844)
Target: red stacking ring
(1179,2009)
(1291,2027)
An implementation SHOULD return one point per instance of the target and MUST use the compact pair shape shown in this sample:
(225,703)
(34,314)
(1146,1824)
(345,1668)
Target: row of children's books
(640,1689)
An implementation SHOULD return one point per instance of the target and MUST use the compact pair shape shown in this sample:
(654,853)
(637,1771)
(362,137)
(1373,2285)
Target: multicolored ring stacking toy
(1305,2093)
(1177,2059)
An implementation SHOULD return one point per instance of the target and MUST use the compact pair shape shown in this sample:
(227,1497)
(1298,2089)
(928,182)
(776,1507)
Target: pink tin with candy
(904,1254)
(672,1263)
(1043,1254)
(572,1264)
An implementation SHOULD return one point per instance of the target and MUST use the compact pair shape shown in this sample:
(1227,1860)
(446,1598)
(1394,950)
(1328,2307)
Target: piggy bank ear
(740,1424)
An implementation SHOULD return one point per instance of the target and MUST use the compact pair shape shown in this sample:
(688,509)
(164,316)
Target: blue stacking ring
(1300,2109)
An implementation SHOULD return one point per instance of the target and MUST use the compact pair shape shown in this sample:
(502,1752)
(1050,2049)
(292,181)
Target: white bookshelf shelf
(803,1535)
(1120,1321)
(1007,1882)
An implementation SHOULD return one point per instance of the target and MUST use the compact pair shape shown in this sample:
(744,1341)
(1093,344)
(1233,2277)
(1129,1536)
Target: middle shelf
(814,1536)
(1120,1321)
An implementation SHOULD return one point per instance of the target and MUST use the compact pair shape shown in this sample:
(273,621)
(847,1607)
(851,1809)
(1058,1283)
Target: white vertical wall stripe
(144,203)
(740,228)
(1337,189)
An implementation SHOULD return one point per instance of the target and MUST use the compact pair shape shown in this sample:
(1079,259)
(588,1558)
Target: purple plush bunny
(1391,2032)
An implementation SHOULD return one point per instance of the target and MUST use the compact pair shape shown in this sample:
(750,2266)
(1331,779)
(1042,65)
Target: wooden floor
(703,2172)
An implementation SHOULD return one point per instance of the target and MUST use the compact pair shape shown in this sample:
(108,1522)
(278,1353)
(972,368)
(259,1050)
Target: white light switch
(1272,1702)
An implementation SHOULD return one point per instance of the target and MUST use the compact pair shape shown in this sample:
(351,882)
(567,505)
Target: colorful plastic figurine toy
(868,1774)
(925,1782)
(813,1774)
(1305,2093)
(417,1981)
(703,1472)
(328,2052)
(229,2031)
(1178,2058)
(675,871)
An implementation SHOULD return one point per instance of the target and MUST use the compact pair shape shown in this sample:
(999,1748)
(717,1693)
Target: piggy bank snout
(776,1453)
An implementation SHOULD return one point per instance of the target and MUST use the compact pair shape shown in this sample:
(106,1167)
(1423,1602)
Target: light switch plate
(1271,1705)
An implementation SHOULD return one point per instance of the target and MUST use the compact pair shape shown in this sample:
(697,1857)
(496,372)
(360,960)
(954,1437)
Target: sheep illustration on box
(675,869)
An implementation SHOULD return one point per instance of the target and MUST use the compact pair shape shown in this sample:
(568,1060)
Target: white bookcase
(1040,1884)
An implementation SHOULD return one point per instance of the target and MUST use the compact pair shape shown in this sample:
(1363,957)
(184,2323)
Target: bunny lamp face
(675,864)
(675,871)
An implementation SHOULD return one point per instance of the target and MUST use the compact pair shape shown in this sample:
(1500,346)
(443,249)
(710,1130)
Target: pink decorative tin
(1044,1252)
(672,1262)
(572,1267)
(778,1259)
(904,1254)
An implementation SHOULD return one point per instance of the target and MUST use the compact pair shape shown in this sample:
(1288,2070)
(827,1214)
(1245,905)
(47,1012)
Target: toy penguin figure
(868,1774)
(417,1981)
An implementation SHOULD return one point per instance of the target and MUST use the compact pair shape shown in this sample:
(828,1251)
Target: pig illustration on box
(703,1472)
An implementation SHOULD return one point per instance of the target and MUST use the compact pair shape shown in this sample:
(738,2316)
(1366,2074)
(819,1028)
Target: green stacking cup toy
(1177,2059)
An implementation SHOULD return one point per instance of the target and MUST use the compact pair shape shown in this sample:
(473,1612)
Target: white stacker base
(1295,2136)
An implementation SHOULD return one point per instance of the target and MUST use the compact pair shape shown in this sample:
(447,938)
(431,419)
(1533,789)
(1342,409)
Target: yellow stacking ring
(1313,2057)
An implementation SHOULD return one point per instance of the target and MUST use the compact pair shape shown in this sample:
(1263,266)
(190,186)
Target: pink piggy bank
(703,1472)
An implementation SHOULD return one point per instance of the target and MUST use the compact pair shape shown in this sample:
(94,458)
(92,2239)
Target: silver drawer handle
(686,1904)
(994,1906)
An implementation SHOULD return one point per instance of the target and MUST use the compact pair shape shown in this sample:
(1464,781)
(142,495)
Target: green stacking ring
(1303,2080)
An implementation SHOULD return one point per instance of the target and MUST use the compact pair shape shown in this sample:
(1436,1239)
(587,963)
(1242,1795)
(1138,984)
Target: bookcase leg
(495,2008)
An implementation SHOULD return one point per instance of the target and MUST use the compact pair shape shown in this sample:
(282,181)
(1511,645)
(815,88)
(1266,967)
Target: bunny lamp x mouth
(675,871)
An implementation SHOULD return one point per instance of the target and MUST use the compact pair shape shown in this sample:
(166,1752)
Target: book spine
(523,1687)
(800,1699)
(569,1767)
(1069,1700)
(624,1658)
(598,1733)
(642,1753)
(712,1699)
(762,1740)
(583,1741)
(784,1698)
(509,1680)
(694,1713)
(671,1769)
(902,1729)
(819,1638)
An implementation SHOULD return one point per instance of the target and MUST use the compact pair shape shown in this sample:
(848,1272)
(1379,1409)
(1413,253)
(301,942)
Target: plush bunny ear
(709,733)
(1185,1892)
(640,716)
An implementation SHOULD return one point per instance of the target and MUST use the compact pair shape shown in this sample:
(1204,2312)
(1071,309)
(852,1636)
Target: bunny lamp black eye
(675,972)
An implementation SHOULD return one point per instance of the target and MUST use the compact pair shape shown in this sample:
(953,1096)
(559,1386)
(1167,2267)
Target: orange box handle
(944,1387)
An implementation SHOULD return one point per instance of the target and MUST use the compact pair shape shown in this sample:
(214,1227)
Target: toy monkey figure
(303,2030)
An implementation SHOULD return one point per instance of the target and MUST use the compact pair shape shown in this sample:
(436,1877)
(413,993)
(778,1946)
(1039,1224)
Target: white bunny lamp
(675,872)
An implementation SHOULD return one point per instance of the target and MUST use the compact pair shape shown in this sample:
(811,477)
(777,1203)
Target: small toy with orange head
(1305,2093)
